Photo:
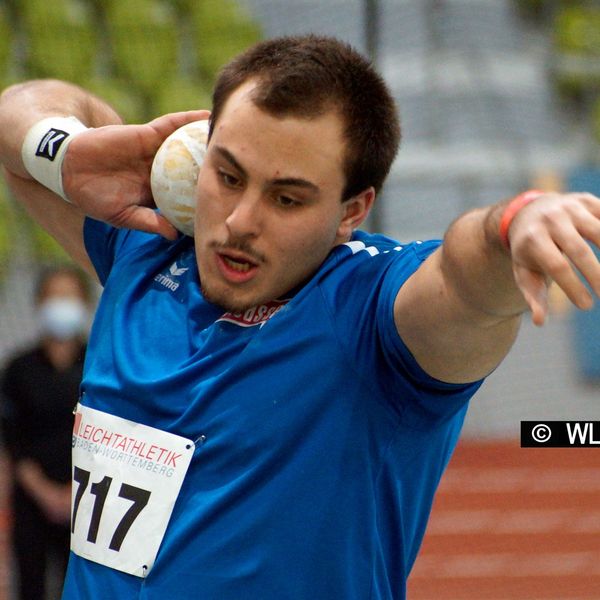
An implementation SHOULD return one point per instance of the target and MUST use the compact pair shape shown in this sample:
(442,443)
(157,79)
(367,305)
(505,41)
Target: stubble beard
(221,300)
(226,300)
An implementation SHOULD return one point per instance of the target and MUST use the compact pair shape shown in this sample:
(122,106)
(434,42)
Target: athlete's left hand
(549,240)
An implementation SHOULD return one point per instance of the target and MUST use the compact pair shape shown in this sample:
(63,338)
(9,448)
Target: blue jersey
(319,441)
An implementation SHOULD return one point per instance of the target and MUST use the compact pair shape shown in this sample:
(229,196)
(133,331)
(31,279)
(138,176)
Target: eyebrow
(293,181)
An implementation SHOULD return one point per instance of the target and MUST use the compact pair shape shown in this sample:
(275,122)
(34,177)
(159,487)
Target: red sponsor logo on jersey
(257,315)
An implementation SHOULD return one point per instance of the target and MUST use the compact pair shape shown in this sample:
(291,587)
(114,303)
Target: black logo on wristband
(51,143)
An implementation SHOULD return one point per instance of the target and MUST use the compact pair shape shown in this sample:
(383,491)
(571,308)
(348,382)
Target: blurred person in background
(39,390)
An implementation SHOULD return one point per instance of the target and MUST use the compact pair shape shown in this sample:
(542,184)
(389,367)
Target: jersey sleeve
(363,314)
(431,399)
(106,244)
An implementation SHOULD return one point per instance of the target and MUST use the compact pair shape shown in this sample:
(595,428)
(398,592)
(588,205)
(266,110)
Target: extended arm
(460,312)
(106,169)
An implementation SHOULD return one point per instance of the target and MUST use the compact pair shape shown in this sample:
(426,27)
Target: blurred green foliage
(61,38)
(7,229)
(576,31)
(577,50)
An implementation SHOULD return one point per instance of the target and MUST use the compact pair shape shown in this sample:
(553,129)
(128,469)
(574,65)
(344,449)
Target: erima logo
(51,143)
(176,271)
(167,280)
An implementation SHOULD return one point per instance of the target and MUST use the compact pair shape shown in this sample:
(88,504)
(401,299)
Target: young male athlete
(267,408)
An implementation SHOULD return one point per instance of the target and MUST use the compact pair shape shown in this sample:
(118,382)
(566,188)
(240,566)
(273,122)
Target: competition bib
(126,479)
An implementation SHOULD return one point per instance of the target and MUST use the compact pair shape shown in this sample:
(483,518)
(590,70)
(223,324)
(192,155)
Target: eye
(287,202)
(228,179)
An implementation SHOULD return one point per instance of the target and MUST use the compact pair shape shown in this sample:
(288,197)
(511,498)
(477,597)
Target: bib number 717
(99,490)
(126,480)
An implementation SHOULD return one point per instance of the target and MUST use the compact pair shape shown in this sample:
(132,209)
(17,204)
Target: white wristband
(44,149)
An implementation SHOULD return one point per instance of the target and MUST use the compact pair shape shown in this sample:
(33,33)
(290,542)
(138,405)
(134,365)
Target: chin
(228,302)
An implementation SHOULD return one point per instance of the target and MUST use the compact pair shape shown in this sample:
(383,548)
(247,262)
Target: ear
(354,211)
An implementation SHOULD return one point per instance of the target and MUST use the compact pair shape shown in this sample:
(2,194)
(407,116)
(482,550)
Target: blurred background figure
(40,387)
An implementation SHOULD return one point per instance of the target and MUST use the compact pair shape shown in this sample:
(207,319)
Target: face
(269,202)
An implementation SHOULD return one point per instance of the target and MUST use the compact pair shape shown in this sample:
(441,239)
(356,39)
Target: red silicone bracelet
(511,210)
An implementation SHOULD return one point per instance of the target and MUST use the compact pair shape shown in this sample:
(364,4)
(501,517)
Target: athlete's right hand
(106,171)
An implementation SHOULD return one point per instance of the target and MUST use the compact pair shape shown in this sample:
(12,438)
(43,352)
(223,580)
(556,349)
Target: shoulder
(361,278)
(369,258)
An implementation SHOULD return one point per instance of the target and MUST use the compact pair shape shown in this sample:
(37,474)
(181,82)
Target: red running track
(513,523)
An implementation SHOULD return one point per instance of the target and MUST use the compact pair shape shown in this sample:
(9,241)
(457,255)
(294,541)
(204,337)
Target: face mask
(62,318)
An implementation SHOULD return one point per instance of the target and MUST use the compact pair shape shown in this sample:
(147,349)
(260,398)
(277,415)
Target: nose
(245,219)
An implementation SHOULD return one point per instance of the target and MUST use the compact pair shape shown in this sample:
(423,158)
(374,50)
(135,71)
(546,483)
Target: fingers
(145,219)
(167,124)
(165,228)
(534,288)
(551,240)
(576,254)
(553,263)
(589,201)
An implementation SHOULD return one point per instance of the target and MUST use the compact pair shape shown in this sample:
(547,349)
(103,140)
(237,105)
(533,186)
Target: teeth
(242,267)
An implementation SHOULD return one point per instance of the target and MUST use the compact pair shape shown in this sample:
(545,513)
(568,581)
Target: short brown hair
(306,76)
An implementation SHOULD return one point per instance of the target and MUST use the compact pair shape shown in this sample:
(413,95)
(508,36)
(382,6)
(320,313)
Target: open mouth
(241,266)
(236,268)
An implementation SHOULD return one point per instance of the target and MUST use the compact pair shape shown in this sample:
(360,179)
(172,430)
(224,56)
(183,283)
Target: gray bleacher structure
(480,121)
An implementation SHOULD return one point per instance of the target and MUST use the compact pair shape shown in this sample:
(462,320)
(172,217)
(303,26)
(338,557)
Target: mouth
(236,267)
(240,266)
